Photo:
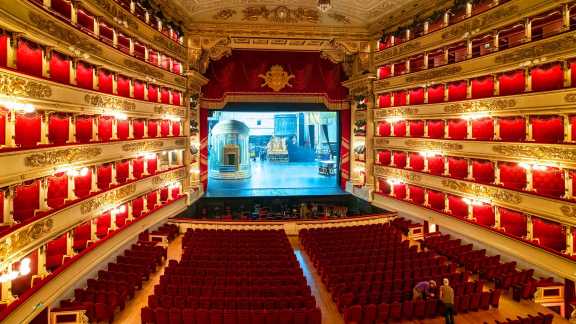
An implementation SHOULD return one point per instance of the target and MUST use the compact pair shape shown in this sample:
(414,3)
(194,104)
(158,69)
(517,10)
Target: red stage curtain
(104,176)
(105,81)
(152,128)
(458,168)
(512,129)
(164,95)
(547,129)
(458,208)
(122,171)
(103,224)
(137,207)
(63,7)
(513,82)
(123,129)
(514,223)
(60,68)
(85,75)
(3,49)
(3,119)
(549,182)
(482,87)
(138,128)
(175,128)
(416,195)
(176,98)
(483,171)
(57,190)
(384,71)
(58,126)
(549,234)
(400,98)
(547,77)
(416,96)
(400,191)
(139,87)
(436,93)
(152,165)
(384,128)
(435,128)
(138,167)
(512,176)
(28,130)
(29,57)
(399,159)
(384,187)
(385,100)
(85,19)
(26,200)
(416,162)
(457,90)
(105,128)
(84,126)
(483,129)
(436,200)
(400,128)
(164,194)
(152,93)
(204,144)
(164,128)
(151,200)
(123,86)
(436,165)
(457,129)
(416,128)
(484,215)
(83,184)
(384,157)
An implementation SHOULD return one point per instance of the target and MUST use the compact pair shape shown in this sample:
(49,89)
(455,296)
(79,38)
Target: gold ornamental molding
(380,142)
(482,191)
(166,110)
(12,85)
(64,156)
(281,14)
(569,211)
(276,78)
(167,178)
(11,244)
(433,145)
(143,146)
(570,97)
(434,74)
(397,51)
(109,102)
(116,12)
(482,22)
(394,112)
(216,104)
(108,199)
(536,152)
(361,85)
(170,45)
(397,173)
(479,106)
(538,50)
(143,68)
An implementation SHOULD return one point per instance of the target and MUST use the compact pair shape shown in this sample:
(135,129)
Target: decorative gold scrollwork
(480,106)
(108,199)
(483,191)
(109,102)
(67,156)
(433,145)
(16,86)
(536,152)
(142,146)
(19,239)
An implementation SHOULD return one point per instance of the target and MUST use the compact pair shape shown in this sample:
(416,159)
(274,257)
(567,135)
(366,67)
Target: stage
(277,179)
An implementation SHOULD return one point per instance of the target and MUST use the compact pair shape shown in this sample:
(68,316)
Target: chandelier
(324,5)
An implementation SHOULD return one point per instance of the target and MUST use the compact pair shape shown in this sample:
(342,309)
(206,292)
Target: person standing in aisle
(447,297)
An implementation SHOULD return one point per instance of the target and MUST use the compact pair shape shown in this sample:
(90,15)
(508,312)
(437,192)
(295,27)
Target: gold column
(446,204)
(94,179)
(446,166)
(70,243)
(446,92)
(71,188)
(567,129)
(10,130)
(47,4)
(44,194)
(113,226)
(426,26)
(496,174)
(528,129)
(529,228)
(468,9)
(95,78)
(6,289)
(44,116)
(470,215)
(114,37)
(497,223)
(130,128)
(8,205)
(73,70)
(408,66)
(568,189)
(95,128)
(426,128)
(426,94)
(131,46)
(408,193)
(130,212)
(74,12)
(565,17)
(569,240)
(46,57)
(426,198)
(145,122)
(131,85)
(407,122)
(529,179)
(97,26)
(527,30)
(115,83)
(446,133)
(470,170)
(114,176)
(446,19)
(468,89)
(131,170)
(469,129)
(496,41)
(132,6)
(496,79)
(567,74)
(114,129)
(93,236)
(528,79)
(468,48)
(426,169)
(41,266)
(11,50)
(497,129)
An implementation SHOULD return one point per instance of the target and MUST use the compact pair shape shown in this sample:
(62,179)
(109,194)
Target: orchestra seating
(530,319)
(370,272)
(233,277)
(107,293)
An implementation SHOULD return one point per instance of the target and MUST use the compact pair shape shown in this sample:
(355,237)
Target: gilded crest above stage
(276,78)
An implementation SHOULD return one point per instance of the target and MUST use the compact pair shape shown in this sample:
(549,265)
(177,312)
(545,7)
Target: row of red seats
(233,291)
(222,302)
(168,230)
(530,319)
(229,281)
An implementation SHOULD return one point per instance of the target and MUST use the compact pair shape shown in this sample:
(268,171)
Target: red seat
(314,316)
(202,316)
(216,316)
(175,316)
(188,316)
(161,316)
(258,316)
(370,313)
(353,314)
(102,313)
(431,308)
(485,300)
(495,298)
(475,302)
(146,315)
(285,316)
(420,309)
(407,310)
(395,311)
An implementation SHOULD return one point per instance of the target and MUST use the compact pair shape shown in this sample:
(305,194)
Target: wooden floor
(330,315)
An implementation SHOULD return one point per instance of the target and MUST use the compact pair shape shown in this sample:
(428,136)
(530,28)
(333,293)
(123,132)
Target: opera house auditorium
(288,162)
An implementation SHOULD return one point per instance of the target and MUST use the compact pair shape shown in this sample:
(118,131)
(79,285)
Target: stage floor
(277,179)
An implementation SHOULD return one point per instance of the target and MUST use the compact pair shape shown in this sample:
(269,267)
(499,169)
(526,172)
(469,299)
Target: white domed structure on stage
(229,150)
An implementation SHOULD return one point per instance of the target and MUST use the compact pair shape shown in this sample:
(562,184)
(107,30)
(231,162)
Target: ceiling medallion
(324,5)
(276,78)
(281,14)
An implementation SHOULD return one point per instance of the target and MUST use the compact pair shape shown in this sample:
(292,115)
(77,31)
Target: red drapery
(483,129)
(547,77)
(164,128)
(512,176)
(57,190)
(3,49)
(26,200)
(399,159)
(139,87)
(28,130)
(512,83)
(103,224)
(58,128)
(417,195)
(457,90)
(123,129)
(175,192)
(384,187)
(152,93)
(384,71)
(436,200)
(85,75)
(60,68)
(62,7)
(400,191)
(482,87)
(29,57)
(175,128)
(400,128)
(55,251)
(416,162)
(512,129)
(457,206)
(151,200)
(3,118)
(164,194)
(547,129)
(151,165)
(436,93)
(384,128)
(138,128)
(435,128)
(81,236)
(123,86)
(164,95)
(104,176)
(549,182)
(122,171)
(416,128)
(549,234)
(573,126)
(483,171)
(457,129)
(384,157)
(23,283)
(344,147)
(436,165)
(458,168)
(137,207)
(121,217)
(105,128)
(82,184)
(484,215)
(1,207)
(84,126)
(138,167)
(176,67)
(85,19)
(176,98)
(385,100)
(416,96)
(152,128)
(514,223)
(105,81)
(400,98)
(204,147)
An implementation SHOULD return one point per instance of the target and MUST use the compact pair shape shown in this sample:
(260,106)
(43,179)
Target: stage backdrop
(241,77)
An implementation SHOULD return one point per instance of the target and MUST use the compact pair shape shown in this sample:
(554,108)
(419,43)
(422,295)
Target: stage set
(269,129)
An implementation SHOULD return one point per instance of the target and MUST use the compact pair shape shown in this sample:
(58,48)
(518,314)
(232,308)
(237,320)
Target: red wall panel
(512,129)
(547,77)
(58,127)
(60,68)
(512,175)
(482,87)
(29,57)
(28,130)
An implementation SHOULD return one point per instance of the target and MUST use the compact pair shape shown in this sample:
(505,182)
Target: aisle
(131,313)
